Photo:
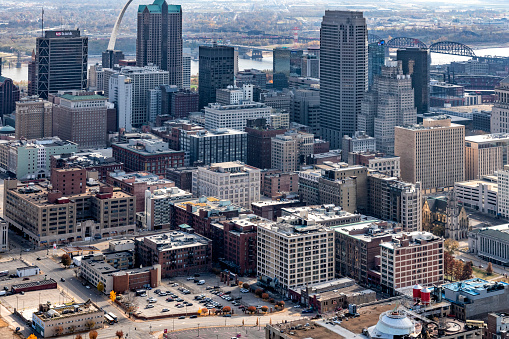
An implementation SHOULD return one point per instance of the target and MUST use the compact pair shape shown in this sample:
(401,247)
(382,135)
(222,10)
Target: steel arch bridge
(403,42)
(450,47)
(373,38)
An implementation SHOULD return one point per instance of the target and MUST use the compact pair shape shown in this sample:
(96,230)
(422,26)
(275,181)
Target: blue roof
(156,7)
(471,286)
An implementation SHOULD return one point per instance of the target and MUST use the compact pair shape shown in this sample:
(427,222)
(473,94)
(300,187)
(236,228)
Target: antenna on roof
(42,23)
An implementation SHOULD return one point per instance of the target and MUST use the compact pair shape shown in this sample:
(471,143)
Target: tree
(489,269)
(66,260)
(265,296)
(92,334)
(113,296)
(32,336)
(90,324)
(204,311)
(451,245)
(100,286)
(281,304)
(458,269)
(272,300)
(227,309)
(259,292)
(245,285)
(59,330)
(448,264)
(467,271)
(78,336)
(251,309)
(265,308)
(119,334)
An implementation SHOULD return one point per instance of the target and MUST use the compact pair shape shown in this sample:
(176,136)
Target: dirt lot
(312,331)
(368,317)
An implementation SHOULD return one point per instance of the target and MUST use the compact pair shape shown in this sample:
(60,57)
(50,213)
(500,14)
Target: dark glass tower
(216,69)
(416,62)
(111,58)
(159,39)
(285,61)
(343,73)
(376,53)
(62,60)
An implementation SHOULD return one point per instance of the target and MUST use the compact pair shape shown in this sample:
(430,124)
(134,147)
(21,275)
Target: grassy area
(481,273)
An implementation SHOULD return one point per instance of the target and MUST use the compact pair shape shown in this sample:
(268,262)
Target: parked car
(182,317)
(193,316)
(149,306)
(227,315)
(62,279)
(189,278)
(165,310)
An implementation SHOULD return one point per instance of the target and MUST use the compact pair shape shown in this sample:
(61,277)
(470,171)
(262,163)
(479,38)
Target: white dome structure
(393,324)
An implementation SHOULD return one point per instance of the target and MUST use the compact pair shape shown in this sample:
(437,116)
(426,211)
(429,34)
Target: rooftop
(140,177)
(488,138)
(315,214)
(175,239)
(47,312)
(474,286)
(213,205)
(85,97)
(414,239)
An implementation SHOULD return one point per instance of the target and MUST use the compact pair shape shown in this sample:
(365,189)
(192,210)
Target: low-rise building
(324,215)
(473,297)
(90,161)
(479,194)
(491,243)
(177,252)
(378,162)
(137,183)
(150,155)
(272,209)
(276,184)
(27,271)
(201,213)
(98,269)
(233,181)
(47,216)
(121,245)
(234,116)
(51,321)
(30,159)
(159,206)
(411,258)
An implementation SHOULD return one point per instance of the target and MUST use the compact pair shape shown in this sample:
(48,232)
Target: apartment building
(30,159)
(485,154)
(47,216)
(294,255)
(378,162)
(432,153)
(323,215)
(358,250)
(67,319)
(276,184)
(290,149)
(158,206)
(201,213)
(395,200)
(410,259)
(234,181)
(150,155)
(136,183)
(178,253)
(234,116)
(480,194)
(34,118)
(81,117)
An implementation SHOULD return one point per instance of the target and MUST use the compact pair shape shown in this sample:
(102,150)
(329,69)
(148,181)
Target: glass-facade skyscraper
(216,67)
(62,61)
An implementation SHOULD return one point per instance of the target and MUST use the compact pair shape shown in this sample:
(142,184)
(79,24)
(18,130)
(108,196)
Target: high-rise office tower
(34,118)
(216,69)
(343,73)
(159,39)
(62,60)
(186,72)
(121,94)
(388,104)
(416,62)
(376,59)
(9,94)
(111,58)
(32,76)
(500,111)
(285,61)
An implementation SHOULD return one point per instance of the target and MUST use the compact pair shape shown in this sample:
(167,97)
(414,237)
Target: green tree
(66,260)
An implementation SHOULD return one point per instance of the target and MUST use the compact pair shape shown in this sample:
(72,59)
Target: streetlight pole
(198,329)
(173,325)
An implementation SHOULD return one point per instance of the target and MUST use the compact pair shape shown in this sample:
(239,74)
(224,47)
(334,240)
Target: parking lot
(186,297)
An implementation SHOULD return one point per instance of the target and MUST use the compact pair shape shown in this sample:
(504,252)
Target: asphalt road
(133,328)
(476,261)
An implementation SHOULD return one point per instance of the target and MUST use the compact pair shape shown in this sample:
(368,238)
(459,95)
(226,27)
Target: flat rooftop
(211,204)
(472,286)
(175,239)
(488,138)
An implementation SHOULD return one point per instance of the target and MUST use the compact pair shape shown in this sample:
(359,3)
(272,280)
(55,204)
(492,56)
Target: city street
(477,261)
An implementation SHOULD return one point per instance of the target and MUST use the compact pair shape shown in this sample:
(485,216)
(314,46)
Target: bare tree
(130,302)
(90,324)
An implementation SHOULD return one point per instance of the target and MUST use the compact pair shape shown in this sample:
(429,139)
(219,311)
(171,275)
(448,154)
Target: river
(21,74)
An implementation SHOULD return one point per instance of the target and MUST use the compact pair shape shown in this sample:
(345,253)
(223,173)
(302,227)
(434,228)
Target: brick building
(259,152)
(69,181)
(137,183)
(151,155)
(182,177)
(271,209)
(91,162)
(178,253)
(276,184)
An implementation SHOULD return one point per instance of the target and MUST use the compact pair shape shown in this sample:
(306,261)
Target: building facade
(416,62)
(432,153)
(485,154)
(62,62)
(234,116)
(232,181)
(216,71)
(159,39)
(500,110)
(343,59)
(158,206)
(34,118)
